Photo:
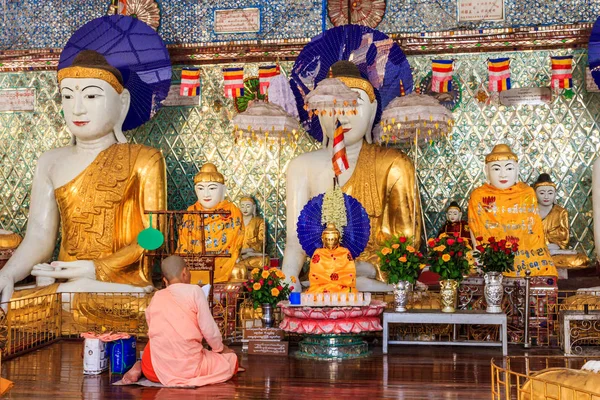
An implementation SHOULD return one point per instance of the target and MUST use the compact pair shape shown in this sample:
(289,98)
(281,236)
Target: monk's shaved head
(172,267)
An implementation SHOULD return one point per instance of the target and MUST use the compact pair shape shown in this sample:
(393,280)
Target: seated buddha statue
(251,255)
(505,207)
(381,179)
(556,226)
(454,223)
(332,267)
(223,234)
(97,188)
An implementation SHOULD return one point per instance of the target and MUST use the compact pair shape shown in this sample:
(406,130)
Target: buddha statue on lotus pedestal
(381,179)
(556,227)
(332,268)
(97,189)
(505,207)
(223,234)
(454,222)
(252,254)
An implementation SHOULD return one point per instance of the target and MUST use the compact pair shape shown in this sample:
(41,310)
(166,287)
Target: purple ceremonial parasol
(594,52)
(356,232)
(137,51)
(378,58)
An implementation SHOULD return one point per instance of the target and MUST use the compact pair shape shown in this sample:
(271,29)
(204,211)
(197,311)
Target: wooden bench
(460,317)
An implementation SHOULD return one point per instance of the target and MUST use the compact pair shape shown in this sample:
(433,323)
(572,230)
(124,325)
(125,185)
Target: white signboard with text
(480,10)
(17,99)
(237,20)
(530,96)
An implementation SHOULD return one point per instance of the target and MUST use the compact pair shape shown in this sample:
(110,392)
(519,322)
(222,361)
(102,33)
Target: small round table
(332,332)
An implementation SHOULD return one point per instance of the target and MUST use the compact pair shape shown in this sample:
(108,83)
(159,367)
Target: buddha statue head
(248,206)
(94,100)
(545,190)
(454,212)
(361,123)
(209,185)
(331,237)
(502,167)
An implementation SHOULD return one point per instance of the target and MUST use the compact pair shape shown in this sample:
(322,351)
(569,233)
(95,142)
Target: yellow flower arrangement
(399,259)
(402,259)
(410,249)
(265,274)
(395,245)
(275,292)
(386,250)
(256,286)
(446,257)
(255,271)
(266,286)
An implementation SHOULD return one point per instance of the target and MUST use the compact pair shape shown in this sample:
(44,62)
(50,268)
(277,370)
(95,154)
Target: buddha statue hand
(553,246)
(7,287)
(70,270)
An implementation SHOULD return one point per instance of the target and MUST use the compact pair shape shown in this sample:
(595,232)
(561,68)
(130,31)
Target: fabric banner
(265,73)
(190,82)
(234,81)
(562,72)
(442,71)
(499,74)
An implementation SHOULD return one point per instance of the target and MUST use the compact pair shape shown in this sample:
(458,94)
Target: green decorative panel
(561,138)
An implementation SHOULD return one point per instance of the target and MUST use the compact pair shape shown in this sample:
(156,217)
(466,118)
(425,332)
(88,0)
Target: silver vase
(267,315)
(493,291)
(401,290)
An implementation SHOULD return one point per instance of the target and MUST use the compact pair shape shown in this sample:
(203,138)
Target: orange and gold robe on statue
(222,234)
(332,271)
(556,230)
(512,212)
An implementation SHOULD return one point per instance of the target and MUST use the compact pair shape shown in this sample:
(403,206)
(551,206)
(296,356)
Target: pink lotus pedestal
(332,332)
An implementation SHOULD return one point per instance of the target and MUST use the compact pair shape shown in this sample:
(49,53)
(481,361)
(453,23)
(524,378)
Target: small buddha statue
(382,179)
(505,207)
(332,267)
(222,233)
(251,255)
(454,223)
(96,189)
(556,226)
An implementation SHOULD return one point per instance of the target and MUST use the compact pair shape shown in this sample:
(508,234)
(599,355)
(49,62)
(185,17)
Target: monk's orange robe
(512,212)
(332,271)
(179,319)
(222,234)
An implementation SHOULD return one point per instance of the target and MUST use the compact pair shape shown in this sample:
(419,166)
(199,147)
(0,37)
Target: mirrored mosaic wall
(561,138)
(30,24)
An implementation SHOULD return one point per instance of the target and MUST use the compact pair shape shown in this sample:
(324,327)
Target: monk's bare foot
(134,374)
(241,369)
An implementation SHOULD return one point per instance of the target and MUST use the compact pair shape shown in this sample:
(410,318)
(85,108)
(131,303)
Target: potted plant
(448,256)
(401,262)
(496,258)
(267,288)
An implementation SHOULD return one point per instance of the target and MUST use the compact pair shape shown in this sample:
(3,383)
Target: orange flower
(402,259)
(410,249)
(441,247)
(280,274)
(256,286)
(385,251)
(255,271)
(422,266)
(293,279)
(275,292)
(446,257)
(265,274)
(395,246)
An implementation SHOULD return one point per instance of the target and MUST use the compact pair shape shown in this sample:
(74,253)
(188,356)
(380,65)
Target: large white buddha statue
(596,205)
(506,208)
(556,226)
(97,188)
(382,179)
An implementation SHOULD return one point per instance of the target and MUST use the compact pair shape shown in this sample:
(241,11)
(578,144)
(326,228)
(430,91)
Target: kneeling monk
(178,319)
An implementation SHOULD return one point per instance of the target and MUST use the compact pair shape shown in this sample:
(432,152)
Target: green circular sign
(150,238)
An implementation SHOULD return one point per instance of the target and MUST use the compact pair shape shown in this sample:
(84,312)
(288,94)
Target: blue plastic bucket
(122,355)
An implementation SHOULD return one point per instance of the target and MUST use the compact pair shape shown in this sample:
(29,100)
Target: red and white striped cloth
(340,159)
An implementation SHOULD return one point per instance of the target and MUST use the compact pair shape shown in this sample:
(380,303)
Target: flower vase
(448,294)
(401,295)
(493,291)
(267,315)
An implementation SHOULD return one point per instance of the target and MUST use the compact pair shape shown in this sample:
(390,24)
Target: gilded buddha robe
(223,234)
(254,237)
(556,230)
(512,212)
(384,183)
(332,271)
(10,241)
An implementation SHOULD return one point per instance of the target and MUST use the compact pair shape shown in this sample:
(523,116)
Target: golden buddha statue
(508,208)
(252,254)
(9,240)
(223,234)
(98,188)
(332,267)
(381,179)
(556,226)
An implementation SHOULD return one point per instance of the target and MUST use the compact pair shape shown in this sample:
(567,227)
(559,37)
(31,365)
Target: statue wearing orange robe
(332,268)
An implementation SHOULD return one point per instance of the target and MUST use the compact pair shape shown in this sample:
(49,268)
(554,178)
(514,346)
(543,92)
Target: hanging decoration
(499,74)
(331,96)
(265,74)
(233,81)
(562,72)
(190,82)
(450,100)
(251,92)
(415,118)
(146,11)
(264,120)
(442,71)
(379,60)
(362,12)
